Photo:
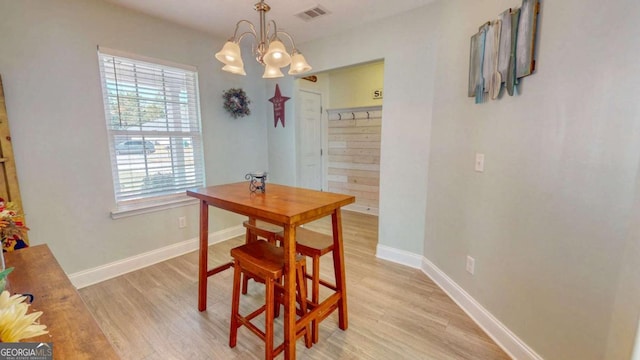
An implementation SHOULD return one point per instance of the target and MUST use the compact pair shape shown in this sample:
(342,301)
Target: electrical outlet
(479,167)
(471,265)
(182,222)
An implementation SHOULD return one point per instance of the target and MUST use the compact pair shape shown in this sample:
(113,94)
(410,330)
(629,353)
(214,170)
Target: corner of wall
(505,338)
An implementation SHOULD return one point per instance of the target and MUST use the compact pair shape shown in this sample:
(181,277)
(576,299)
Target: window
(153,123)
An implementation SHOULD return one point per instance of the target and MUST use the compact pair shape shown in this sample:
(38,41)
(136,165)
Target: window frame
(153,202)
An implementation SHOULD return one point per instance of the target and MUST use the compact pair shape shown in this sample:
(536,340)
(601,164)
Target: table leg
(289,292)
(338,264)
(204,256)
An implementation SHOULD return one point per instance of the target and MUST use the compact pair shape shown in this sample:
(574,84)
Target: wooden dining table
(288,207)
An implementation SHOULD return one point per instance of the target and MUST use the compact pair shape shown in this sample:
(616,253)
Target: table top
(72,329)
(280,204)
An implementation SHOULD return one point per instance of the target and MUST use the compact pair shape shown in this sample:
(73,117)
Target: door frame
(323,137)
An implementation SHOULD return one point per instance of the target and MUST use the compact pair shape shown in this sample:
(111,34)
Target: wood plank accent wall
(354,155)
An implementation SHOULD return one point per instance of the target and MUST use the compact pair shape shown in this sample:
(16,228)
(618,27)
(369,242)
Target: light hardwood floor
(395,312)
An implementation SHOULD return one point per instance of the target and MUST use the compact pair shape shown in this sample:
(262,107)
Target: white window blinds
(153,122)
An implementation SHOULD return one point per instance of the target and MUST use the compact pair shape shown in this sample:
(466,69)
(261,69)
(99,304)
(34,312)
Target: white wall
(49,67)
(281,140)
(548,221)
(408,94)
(625,317)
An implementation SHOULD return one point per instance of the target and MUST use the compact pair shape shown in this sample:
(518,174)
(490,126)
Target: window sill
(152,206)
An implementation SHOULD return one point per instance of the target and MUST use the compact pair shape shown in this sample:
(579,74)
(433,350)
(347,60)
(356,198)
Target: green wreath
(236,103)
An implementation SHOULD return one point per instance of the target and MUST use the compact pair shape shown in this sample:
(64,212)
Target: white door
(310,140)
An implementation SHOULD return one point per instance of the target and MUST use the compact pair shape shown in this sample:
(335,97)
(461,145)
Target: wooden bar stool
(308,243)
(255,233)
(314,245)
(264,261)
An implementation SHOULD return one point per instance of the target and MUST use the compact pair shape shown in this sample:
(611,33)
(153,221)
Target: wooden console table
(72,329)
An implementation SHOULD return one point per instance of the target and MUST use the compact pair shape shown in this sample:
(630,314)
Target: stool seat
(262,259)
(265,262)
(255,233)
(310,243)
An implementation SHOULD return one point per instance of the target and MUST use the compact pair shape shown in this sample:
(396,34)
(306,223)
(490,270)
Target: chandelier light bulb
(230,54)
(298,64)
(277,55)
(268,48)
(272,72)
(234,69)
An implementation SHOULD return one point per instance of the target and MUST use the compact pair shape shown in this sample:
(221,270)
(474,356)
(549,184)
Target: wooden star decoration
(278,107)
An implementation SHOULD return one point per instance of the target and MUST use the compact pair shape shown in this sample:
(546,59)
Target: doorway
(344,139)
(310,140)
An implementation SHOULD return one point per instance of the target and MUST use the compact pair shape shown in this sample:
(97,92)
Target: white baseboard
(399,256)
(105,272)
(507,340)
(361,209)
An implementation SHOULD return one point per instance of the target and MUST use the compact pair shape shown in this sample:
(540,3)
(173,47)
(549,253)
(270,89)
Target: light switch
(479,162)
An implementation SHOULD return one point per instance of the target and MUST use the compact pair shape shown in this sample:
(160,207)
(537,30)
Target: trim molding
(105,272)
(399,256)
(361,209)
(507,340)
(149,208)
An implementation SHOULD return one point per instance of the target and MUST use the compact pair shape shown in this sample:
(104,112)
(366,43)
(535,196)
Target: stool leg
(268,319)
(276,301)
(249,238)
(245,284)
(235,306)
(302,291)
(315,293)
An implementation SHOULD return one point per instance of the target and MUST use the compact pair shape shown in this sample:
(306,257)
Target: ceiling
(219,17)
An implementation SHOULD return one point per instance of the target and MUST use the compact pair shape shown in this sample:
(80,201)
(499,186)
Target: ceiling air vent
(313,13)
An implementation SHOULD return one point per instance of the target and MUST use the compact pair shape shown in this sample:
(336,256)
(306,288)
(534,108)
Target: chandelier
(267,48)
